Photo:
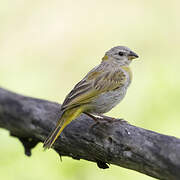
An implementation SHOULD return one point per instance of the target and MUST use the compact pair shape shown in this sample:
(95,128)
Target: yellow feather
(93,75)
(105,58)
(128,70)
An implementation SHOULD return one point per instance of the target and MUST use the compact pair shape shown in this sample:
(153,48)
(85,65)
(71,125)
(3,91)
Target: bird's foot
(102,119)
(111,119)
(97,119)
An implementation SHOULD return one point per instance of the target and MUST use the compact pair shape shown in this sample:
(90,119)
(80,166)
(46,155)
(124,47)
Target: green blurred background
(48,46)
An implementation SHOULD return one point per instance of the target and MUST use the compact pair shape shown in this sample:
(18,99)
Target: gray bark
(108,142)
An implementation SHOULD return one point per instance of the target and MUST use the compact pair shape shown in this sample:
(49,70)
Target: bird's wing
(95,83)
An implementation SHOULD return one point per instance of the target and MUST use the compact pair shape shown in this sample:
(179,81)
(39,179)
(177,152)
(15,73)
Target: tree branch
(118,142)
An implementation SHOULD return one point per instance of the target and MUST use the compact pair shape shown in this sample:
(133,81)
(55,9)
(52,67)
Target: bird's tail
(65,119)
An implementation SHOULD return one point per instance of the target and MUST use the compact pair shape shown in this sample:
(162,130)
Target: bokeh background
(46,47)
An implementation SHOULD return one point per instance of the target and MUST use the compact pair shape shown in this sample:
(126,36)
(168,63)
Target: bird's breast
(106,101)
(127,71)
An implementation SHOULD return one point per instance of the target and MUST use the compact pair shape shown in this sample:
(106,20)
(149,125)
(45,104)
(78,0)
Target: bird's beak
(132,55)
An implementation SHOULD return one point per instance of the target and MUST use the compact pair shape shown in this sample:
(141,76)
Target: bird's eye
(121,53)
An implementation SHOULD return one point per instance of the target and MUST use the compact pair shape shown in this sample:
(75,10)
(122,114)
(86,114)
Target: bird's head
(120,55)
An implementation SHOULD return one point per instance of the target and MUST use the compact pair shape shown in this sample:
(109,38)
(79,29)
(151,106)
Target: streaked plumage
(99,91)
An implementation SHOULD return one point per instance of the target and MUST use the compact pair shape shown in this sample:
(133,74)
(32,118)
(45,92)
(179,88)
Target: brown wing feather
(110,81)
(81,93)
(92,85)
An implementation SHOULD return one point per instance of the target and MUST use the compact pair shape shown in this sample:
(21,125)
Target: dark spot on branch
(102,165)
(110,140)
(29,144)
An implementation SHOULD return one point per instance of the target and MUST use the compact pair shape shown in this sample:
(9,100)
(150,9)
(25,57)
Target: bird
(98,92)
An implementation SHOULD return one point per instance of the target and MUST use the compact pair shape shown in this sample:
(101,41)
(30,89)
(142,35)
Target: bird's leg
(99,118)
(109,119)
(94,117)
